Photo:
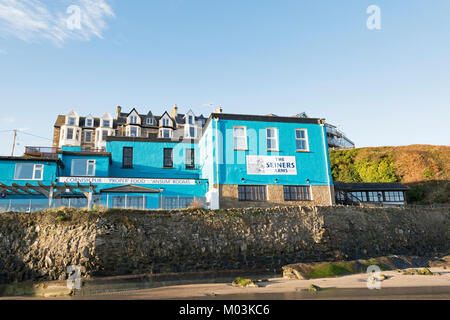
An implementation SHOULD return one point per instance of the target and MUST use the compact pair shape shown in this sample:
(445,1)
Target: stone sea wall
(42,245)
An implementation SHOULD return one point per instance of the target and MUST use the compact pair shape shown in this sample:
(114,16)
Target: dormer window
(150,121)
(71,121)
(165,122)
(89,122)
(133,119)
(190,119)
(106,123)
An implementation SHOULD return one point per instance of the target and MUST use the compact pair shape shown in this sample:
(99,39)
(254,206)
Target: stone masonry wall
(320,196)
(42,245)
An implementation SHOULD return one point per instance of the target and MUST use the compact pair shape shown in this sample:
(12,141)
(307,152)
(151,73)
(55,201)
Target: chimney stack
(174,111)
(218,110)
(118,110)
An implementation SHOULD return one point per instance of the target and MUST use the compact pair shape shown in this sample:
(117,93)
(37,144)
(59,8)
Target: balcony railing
(41,152)
(51,152)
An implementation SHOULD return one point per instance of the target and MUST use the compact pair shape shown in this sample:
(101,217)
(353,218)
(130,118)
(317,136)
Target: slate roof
(34,159)
(129,189)
(179,119)
(122,120)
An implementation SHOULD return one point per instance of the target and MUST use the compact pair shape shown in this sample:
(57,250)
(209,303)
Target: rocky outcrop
(42,245)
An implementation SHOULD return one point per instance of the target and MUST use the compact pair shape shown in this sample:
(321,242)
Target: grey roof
(129,189)
(391,186)
(34,159)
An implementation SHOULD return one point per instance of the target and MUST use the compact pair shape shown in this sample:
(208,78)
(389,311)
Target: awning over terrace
(51,192)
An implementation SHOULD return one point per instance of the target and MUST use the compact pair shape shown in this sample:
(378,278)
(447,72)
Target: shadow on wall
(15,240)
(119,242)
(255,238)
(221,240)
(232,202)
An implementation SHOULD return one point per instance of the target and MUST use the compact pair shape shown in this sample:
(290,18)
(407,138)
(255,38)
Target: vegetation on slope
(425,169)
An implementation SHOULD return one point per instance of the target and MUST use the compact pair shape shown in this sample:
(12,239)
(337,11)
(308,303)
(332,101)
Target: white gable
(89,118)
(134,114)
(187,115)
(107,116)
(72,118)
(72,113)
(166,116)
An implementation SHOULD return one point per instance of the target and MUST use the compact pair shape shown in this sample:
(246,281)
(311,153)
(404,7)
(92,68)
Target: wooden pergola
(51,192)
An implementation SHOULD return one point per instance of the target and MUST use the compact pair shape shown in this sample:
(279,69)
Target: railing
(92,150)
(137,202)
(51,152)
(42,152)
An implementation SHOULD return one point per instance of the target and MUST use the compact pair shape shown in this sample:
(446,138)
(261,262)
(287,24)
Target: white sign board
(271,165)
(126,180)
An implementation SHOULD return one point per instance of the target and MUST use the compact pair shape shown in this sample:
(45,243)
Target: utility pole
(14,142)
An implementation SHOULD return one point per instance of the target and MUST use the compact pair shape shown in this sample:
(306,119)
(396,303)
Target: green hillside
(425,169)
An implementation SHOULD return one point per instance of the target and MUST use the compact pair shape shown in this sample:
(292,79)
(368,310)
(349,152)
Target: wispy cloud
(32,20)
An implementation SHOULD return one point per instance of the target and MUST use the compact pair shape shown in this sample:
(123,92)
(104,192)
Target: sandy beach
(395,286)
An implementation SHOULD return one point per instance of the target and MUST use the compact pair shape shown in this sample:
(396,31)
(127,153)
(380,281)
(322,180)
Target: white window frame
(101,133)
(67,134)
(241,137)
(89,125)
(74,121)
(34,171)
(149,121)
(85,135)
(87,166)
(161,133)
(276,148)
(138,131)
(103,123)
(305,139)
(132,120)
(187,131)
(163,120)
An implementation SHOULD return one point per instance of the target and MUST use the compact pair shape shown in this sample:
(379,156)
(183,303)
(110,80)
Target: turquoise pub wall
(147,163)
(101,164)
(313,165)
(148,159)
(7,170)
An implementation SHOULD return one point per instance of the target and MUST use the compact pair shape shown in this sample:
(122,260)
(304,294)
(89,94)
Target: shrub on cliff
(423,168)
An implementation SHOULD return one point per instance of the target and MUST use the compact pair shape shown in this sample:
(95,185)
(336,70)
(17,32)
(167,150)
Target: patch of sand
(394,279)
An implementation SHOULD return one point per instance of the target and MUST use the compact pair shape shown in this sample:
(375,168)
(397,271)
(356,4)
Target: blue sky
(383,87)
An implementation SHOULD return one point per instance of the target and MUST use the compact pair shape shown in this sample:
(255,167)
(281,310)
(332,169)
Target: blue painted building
(174,161)
(266,160)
